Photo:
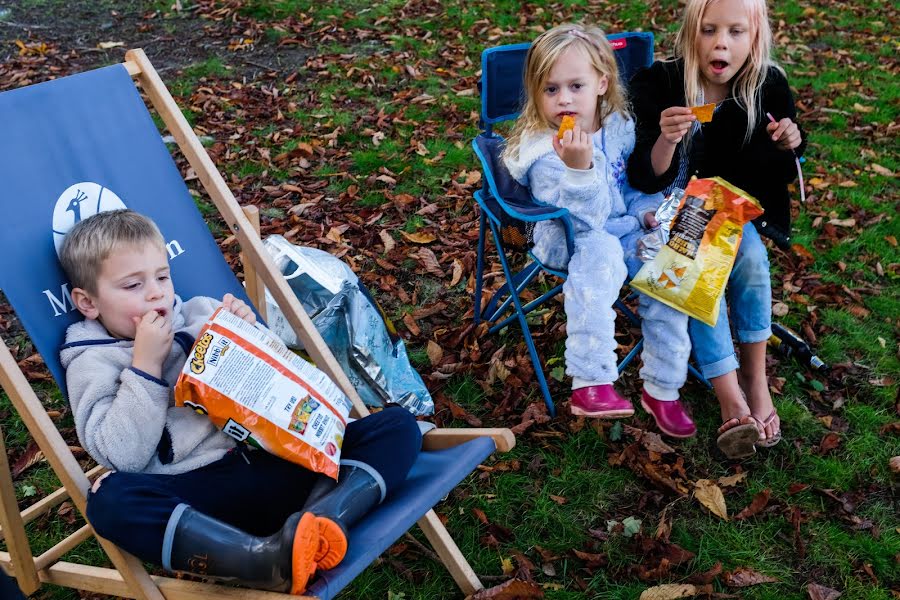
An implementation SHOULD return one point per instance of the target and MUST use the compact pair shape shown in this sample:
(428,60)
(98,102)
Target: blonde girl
(723,56)
(571,71)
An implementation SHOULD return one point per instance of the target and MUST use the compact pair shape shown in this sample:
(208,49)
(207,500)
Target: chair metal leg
(520,282)
(479,267)
(696,374)
(529,342)
(631,354)
(527,308)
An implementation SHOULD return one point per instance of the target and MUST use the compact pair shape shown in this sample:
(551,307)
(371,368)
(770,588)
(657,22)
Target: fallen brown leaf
(649,440)
(745,576)
(758,503)
(710,496)
(419,237)
(732,480)
(829,443)
(435,352)
(820,592)
(670,591)
(707,577)
(514,589)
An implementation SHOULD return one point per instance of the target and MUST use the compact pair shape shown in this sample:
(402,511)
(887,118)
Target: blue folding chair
(86,143)
(509,210)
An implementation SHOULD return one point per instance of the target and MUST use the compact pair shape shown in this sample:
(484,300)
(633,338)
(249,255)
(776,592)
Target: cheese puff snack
(704,113)
(568,123)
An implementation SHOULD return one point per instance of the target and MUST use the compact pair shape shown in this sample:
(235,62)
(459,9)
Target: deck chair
(510,212)
(87,143)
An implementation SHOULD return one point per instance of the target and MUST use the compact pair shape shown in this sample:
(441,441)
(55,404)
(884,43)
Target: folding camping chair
(86,143)
(508,209)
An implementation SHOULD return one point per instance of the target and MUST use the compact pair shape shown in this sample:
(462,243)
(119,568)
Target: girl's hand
(650,221)
(576,149)
(152,341)
(674,123)
(239,308)
(785,134)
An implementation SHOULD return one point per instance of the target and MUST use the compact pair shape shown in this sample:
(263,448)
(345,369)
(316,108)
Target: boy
(182,493)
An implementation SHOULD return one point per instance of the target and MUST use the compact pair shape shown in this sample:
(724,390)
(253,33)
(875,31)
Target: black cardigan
(757,167)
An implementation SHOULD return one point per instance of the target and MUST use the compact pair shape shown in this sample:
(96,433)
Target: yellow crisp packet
(690,272)
(704,113)
(568,122)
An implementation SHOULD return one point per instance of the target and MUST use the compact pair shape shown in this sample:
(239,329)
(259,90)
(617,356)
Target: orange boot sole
(332,543)
(303,553)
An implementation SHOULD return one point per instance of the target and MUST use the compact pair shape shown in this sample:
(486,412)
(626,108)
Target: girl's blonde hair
(748,82)
(542,55)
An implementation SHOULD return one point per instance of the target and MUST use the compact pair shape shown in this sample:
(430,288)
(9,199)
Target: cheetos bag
(257,391)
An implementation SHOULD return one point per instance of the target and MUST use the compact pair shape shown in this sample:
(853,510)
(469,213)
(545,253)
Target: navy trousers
(252,490)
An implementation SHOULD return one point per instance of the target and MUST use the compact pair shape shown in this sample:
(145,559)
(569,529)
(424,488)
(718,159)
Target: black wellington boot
(202,545)
(358,490)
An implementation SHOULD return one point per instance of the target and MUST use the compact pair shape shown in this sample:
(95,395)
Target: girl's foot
(600,401)
(670,416)
(738,437)
(762,409)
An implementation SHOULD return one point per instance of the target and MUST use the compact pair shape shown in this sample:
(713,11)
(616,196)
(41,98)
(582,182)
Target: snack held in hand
(704,113)
(256,390)
(690,272)
(568,123)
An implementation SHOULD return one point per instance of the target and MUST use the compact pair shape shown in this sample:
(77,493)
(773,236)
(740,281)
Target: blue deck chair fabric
(507,208)
(85,143)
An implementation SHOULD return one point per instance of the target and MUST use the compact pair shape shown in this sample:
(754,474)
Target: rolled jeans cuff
(720,367)
(752,337)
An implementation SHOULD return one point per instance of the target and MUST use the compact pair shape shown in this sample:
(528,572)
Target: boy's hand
(152,341)
(576,149)
(785,134)
(674,123)
(239,308)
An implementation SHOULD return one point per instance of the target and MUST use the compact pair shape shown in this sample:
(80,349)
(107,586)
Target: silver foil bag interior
(650,243)
(372,355)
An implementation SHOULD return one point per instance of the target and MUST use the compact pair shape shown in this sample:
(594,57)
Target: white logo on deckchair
(76,204)
(79,202)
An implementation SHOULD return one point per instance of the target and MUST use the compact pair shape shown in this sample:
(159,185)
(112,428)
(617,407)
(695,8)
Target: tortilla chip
(704,113)
(568,122)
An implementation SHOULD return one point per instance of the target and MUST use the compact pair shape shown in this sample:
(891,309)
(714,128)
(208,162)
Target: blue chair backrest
(71,148)
(502,89)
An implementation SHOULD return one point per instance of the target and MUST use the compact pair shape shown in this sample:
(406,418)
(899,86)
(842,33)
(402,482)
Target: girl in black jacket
(723,57)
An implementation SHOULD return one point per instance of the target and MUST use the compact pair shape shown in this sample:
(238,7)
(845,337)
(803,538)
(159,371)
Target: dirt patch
(172,41)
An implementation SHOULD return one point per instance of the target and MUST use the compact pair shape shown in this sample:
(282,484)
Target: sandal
(765,442)
(737,438)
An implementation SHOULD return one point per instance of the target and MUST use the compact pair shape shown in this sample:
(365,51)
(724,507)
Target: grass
(843,74)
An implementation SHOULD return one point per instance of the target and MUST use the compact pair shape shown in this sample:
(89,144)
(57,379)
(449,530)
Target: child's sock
(577,383)
(660,393)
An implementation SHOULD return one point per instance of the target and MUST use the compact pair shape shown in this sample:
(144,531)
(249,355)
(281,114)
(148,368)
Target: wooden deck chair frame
(129,579)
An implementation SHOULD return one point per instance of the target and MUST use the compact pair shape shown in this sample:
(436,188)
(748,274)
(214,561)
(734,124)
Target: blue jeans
(252,490)
(748,311)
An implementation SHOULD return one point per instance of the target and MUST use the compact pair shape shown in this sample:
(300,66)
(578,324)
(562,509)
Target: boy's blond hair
(542,55)
(93,240)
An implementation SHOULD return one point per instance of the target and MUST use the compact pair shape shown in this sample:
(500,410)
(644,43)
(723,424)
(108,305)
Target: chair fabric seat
(432,477)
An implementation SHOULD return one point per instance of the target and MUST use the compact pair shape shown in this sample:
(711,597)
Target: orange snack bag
(704,113)
(568,122)
(690,272)
(257,391)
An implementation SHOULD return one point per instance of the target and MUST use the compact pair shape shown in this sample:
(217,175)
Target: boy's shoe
(600,401)
(670,416)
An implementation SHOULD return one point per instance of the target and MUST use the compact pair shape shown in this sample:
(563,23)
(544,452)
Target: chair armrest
(438,439)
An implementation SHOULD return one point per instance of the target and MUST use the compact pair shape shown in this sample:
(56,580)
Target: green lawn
(385,101)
